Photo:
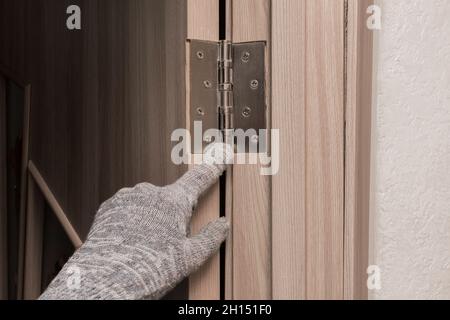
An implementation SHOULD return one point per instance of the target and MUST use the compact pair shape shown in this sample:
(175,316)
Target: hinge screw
(207,84)
(254,84)
(245,56)
(246,112)
(200,55)
(200,112)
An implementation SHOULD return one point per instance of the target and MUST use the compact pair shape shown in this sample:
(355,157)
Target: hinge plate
(203,75)
(248,85)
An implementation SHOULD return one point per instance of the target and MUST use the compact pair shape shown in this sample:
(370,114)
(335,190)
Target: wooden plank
(288,116)
(3,213)
(308,109)
(359,57)
(33,246)
(251,272)
(203,24)
(54,205)
(324,98)
(175,100)
(203,19)
(251,234)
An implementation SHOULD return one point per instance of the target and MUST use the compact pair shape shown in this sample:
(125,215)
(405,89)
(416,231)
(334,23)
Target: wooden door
(106,100)
(203,23)
(301,233)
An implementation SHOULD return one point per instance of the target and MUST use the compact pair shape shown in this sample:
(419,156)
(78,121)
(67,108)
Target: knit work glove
(139,245)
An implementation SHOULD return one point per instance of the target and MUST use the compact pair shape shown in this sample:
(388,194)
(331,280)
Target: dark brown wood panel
(33,252)
(105,99)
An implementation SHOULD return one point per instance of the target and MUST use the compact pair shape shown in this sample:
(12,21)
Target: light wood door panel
(324,105)
(251,233)
(289,116)
(307,69)
(203,24)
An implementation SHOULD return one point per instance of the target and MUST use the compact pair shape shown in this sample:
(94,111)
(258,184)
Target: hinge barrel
(225,90)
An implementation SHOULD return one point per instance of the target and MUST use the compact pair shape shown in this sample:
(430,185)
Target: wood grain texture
(324,103)
(203,19)
(308,198)
(3,214)
(203,24)
(33,251)
(288,116)
(251,234)
(99,121)
(359,57)
(105,98)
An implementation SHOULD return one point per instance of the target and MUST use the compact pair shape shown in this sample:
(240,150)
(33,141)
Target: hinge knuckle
(225,89)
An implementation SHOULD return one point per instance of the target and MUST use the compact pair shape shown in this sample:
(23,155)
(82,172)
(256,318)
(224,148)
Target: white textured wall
(411,188)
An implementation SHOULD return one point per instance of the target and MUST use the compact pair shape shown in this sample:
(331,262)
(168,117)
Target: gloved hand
(139,245)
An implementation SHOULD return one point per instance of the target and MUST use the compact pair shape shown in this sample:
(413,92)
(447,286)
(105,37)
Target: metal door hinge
(227,85)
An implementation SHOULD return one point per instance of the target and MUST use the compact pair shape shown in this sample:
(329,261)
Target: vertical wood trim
(33,242)
(252,267)
(359,59)
(324,148)
(288,116)
(251,272)
(203,24)
(3,215)
(308,108)
(175,37)
(23,187)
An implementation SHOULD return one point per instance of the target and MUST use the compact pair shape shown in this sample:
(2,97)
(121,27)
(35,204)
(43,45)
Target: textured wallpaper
(411,151)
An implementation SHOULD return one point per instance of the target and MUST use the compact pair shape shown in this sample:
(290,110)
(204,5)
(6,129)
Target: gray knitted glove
(139,245)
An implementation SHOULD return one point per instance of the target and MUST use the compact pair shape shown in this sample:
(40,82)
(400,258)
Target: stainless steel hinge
(227,85)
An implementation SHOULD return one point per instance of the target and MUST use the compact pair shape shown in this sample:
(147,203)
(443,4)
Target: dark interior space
(56,248)
(99,121)
(14,112)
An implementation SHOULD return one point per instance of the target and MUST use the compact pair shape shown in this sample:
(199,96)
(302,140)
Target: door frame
(5,74)
(203,24)
(304,231)
(359,98)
